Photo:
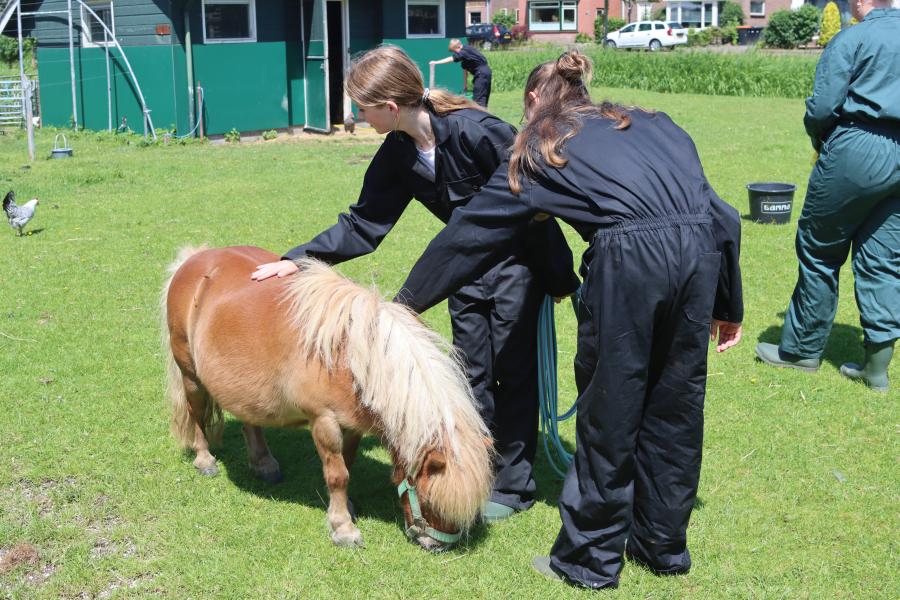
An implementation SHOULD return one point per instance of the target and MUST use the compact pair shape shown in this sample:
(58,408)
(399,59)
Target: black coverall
(663,259)
(494,319)
(475,63)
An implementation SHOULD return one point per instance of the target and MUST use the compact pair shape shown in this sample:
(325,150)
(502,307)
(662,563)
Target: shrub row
(683,72)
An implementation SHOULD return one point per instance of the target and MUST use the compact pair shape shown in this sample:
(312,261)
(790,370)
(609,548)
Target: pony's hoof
(271,477)
(430,544)
(352,539)
(210,471)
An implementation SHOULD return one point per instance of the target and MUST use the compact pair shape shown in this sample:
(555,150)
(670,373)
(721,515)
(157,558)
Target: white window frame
(251,15)
(757,14)
(87,19)
(562,6)
(441,19)
(471,14)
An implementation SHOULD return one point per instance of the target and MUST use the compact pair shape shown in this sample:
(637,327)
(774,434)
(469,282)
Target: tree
(629,6)
(508,20)
(805,23)
(831,23)
(788,29)
(732,14)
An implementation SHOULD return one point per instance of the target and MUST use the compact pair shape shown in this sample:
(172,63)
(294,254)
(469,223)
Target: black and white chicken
(18,216)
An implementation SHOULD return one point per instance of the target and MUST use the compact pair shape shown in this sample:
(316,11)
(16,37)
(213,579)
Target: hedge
(683,71)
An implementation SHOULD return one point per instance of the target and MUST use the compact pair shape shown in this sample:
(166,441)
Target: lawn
(799,489)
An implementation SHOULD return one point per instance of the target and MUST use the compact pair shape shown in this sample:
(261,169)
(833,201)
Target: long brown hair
(387,73)
(562,86)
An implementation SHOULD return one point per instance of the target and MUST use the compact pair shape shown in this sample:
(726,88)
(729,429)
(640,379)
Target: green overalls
(853,198)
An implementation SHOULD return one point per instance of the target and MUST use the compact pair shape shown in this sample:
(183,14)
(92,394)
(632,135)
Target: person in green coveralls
(853,198)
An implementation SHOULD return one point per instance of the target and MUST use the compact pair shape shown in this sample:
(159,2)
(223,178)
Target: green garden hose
(559,458)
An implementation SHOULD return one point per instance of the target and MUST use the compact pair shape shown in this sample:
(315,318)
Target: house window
(474,18)
(425,18)
(517,16)
(553,16)
(645,11)
(92,32)
(757,9)
(229,21)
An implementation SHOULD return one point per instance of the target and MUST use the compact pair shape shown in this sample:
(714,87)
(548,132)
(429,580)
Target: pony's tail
(182,425)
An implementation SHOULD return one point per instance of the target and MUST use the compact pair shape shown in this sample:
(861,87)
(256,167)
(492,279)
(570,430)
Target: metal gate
(12,104)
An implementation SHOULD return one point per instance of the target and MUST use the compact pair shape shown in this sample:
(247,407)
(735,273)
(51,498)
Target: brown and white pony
(317,349)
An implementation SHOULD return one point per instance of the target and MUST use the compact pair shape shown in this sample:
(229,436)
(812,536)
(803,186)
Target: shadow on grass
(371,491)
(549,483)
(303,483)
(844,343)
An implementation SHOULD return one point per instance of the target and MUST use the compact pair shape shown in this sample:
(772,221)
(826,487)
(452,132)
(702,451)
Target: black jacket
(649,170)
(470,145)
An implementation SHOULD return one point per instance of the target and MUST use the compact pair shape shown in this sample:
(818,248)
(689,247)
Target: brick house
(562,20)
(547,20)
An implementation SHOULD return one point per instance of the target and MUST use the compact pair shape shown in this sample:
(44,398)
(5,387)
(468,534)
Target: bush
(806,23)
(614,24)
(729,34)
(9,49)
(831,23)
(520,33)
(583,38)
(731,14)
(744,74)
(788,29)
(699,37)
(233,136)
(507,20)
(779,33)
(659,14)
(271,134)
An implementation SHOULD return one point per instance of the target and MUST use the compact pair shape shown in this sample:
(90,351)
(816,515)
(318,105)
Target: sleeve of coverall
(382,200)
(833,73)
(549,255)
(477,237)
(729,303)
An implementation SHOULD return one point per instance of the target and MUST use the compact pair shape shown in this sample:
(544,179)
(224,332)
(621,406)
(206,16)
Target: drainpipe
(189,59)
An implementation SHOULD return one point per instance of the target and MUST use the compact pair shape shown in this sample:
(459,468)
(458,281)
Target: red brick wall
(587,12)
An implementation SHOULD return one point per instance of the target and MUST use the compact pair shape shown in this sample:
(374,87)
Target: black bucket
(771,202)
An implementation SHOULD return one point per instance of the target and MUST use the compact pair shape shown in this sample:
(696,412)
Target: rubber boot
(492,512)
(772,354)
(874,372)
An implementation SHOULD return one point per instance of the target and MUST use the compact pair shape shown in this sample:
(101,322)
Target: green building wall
(248,86)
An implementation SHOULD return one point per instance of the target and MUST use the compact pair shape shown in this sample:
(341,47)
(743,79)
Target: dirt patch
(22,553)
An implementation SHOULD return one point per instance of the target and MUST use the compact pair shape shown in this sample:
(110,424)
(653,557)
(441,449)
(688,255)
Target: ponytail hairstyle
(387,73)
(562,88)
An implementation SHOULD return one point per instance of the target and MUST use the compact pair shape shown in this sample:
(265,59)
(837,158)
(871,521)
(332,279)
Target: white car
(646,34)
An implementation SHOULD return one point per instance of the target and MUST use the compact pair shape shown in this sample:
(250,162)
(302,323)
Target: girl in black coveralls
(661,276)
(441,149)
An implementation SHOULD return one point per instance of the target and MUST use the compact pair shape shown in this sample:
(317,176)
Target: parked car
(678,30)
(653,35)
(488,35)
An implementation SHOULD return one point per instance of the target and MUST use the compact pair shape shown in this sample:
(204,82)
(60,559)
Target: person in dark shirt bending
(661,277)
(475,63)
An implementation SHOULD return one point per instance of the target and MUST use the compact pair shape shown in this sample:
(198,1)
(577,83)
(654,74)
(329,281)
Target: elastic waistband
(653,223)
(891,129)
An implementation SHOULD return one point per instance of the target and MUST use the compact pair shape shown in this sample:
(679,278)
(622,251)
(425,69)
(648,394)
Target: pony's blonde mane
(410,378)
(404,372)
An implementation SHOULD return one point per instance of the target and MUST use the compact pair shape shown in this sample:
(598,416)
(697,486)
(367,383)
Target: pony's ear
(435,463)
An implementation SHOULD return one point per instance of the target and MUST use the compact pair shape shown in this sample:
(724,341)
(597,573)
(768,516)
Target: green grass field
(799,492)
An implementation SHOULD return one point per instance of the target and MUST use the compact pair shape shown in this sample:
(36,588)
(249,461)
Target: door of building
(315,60)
